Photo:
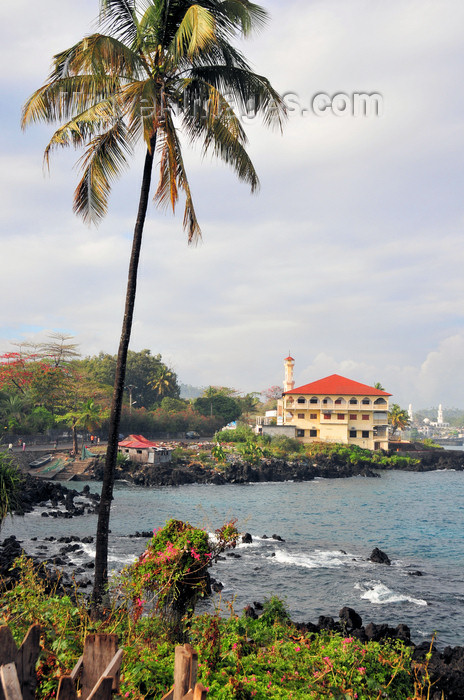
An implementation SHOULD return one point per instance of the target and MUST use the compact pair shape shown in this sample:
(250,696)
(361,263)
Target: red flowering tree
(173,569)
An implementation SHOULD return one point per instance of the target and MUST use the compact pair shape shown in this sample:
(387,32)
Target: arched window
(365,401)
(301,399)
(313,399)
(353,401)
(379,401)
(327,401)
(340,401)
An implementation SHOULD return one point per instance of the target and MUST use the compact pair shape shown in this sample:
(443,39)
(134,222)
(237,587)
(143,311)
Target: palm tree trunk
(101,554)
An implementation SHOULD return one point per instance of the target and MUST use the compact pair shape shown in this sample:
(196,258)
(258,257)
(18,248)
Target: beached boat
(40,461)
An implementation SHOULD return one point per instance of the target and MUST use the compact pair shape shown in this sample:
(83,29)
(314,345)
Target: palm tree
(159,61)
(164,383)
(398,418)
(86,415)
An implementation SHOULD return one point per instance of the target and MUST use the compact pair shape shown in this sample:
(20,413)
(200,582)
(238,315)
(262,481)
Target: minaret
(289,384)
(440,415)
(410,414)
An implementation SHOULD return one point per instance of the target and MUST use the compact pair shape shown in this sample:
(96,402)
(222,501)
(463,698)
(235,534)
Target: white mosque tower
(410,413)
(440,415)
(289,384)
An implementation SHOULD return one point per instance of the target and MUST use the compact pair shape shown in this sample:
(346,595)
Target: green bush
(287,444)
(242,433)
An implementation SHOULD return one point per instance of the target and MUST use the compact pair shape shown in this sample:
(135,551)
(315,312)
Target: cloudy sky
(351,256)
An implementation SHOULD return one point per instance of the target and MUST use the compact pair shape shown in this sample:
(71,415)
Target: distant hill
(187,391)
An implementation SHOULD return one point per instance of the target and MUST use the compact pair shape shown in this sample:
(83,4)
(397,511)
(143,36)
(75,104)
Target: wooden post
(181,673)
(9,682)
(25,658)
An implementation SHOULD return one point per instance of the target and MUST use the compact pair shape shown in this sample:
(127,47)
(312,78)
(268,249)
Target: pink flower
(234,645)
(297,648)
(362,670)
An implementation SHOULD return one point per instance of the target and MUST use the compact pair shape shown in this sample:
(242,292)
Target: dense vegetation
(49,389)
(250,447)
(240,657)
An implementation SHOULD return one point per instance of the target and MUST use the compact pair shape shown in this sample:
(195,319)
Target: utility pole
(130,387)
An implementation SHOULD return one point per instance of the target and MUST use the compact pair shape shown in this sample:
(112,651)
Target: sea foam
(380,594)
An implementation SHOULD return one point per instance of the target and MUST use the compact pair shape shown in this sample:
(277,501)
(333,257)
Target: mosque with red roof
(334,409)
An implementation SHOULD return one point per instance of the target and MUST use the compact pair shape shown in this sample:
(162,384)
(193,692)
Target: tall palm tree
(159,61)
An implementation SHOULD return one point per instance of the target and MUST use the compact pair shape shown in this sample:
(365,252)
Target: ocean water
(330,527)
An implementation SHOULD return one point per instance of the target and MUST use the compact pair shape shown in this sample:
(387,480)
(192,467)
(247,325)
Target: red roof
(335,384)
(289,358)
(137,442)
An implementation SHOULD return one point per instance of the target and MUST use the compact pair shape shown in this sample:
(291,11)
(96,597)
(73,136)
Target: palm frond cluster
(160,69)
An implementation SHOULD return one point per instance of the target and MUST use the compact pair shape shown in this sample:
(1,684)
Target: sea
(329,528)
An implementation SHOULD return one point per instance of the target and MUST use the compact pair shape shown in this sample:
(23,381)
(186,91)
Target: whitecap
(380,594)
(319,559)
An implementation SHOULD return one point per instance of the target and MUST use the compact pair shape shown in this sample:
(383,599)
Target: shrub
(173,569)
(242,433)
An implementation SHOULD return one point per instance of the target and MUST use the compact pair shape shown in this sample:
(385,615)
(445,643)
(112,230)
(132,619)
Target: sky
(350,257)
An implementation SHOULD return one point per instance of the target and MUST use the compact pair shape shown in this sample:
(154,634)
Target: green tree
(165,383)
(161,60)
(147,375)
(14,408)
(86,415)
(218,405)
(173,405)
(398,418)
(250,403)
(379,386)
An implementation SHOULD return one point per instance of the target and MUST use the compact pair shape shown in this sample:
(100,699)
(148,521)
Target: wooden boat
(40,461)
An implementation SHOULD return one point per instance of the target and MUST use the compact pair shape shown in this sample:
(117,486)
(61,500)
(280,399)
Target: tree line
(48,388)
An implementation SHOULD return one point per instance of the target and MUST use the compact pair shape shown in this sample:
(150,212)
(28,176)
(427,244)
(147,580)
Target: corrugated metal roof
(137,442)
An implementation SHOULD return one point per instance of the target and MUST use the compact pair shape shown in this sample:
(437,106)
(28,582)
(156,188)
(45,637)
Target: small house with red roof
(334,409)
(138,449)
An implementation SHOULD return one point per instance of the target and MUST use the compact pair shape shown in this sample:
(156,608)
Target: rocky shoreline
(445,668)
(241,472)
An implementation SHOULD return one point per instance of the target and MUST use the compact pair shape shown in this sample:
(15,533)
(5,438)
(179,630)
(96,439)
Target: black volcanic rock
(379,557)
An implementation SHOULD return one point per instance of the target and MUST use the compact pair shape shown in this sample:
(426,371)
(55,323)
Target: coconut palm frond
(79,130)
(105,158)
(244,16)
(167,192)
(97,54)
(224,135)
(250,92)
(174,169)
(196,31)
(63,99)
(119,18)
(141,103)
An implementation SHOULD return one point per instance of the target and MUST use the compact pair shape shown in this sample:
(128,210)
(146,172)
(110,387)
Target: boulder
(350,619)
(379,557)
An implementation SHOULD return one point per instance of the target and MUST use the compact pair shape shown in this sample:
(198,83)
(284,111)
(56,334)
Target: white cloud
(350,256)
